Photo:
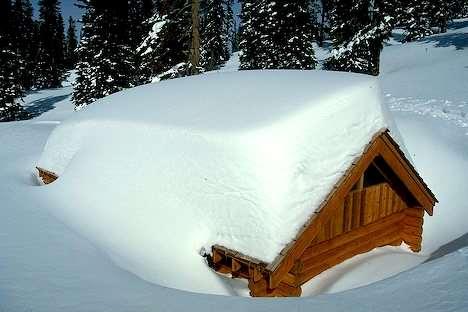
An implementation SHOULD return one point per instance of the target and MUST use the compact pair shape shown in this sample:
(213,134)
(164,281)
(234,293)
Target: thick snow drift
(156,173)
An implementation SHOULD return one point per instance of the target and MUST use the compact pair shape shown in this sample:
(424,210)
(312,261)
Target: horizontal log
(398,242)
(380,234)
(411,239)
(413,230)
(284,290)
(363,248)
(322,247)
(413,221)
(414,212)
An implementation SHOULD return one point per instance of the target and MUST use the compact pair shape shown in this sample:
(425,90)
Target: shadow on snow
(39,107)
(459,40)
(450,247)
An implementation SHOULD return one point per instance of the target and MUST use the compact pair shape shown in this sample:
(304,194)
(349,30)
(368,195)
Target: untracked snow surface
(48,265)
(237,159)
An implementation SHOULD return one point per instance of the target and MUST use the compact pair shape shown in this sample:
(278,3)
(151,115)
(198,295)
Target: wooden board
(46,176)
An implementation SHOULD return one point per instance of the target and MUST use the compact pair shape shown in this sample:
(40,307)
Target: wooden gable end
(355,218)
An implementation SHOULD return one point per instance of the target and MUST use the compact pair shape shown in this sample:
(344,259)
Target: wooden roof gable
(382,145)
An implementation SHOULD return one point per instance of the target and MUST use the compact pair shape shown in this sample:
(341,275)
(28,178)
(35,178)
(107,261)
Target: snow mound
(156,173)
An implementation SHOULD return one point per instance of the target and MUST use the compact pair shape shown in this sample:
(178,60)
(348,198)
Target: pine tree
(51,62)
(439,14)
(105,60)
(11,65)
(295,36)
(417,20)
(165,50)
(248,40)
(25,42)
(276,35)
(359,28)
(214,34)
(71,44)
(139,11)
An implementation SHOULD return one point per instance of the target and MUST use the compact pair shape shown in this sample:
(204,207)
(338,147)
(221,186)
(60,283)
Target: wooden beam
(349,252)
(415,212)
(379,234)
(322,247)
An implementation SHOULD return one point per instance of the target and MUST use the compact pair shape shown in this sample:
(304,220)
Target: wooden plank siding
(364,207)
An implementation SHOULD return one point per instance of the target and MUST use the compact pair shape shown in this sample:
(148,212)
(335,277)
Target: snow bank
(155,173)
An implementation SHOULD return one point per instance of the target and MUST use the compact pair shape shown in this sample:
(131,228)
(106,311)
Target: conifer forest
(125,43)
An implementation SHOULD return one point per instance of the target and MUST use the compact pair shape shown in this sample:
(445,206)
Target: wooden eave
(382,144)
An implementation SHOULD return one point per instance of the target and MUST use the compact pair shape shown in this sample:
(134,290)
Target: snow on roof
(238,159)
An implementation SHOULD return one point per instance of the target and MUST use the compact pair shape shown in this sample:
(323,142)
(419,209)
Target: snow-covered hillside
(46,266)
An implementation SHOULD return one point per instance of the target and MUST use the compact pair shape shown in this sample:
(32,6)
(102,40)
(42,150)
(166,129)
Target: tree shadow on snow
(459,40)
(453,246)
(39,107)
(458,24)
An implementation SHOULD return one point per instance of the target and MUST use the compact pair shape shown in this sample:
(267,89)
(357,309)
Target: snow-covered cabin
(277,175)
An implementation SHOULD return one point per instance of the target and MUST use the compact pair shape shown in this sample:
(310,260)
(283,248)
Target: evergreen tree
(276,35)
(165,50)
(417,20)
(359,28)
(249,42)
(51,62)
(138,13)
(25,42)
(71,44)
(295,36)
(105,60)
(215,28)
(10,67)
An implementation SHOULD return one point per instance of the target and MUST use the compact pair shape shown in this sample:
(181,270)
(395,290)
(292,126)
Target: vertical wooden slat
(390,200)
(377,201)
(348,210)
(394,203)
(339,220)
(368,203)
(384,201)
(358,212)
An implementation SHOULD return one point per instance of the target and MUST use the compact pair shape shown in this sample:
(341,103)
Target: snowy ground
(44,266)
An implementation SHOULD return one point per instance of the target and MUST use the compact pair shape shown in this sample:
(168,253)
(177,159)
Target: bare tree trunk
(195,46)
